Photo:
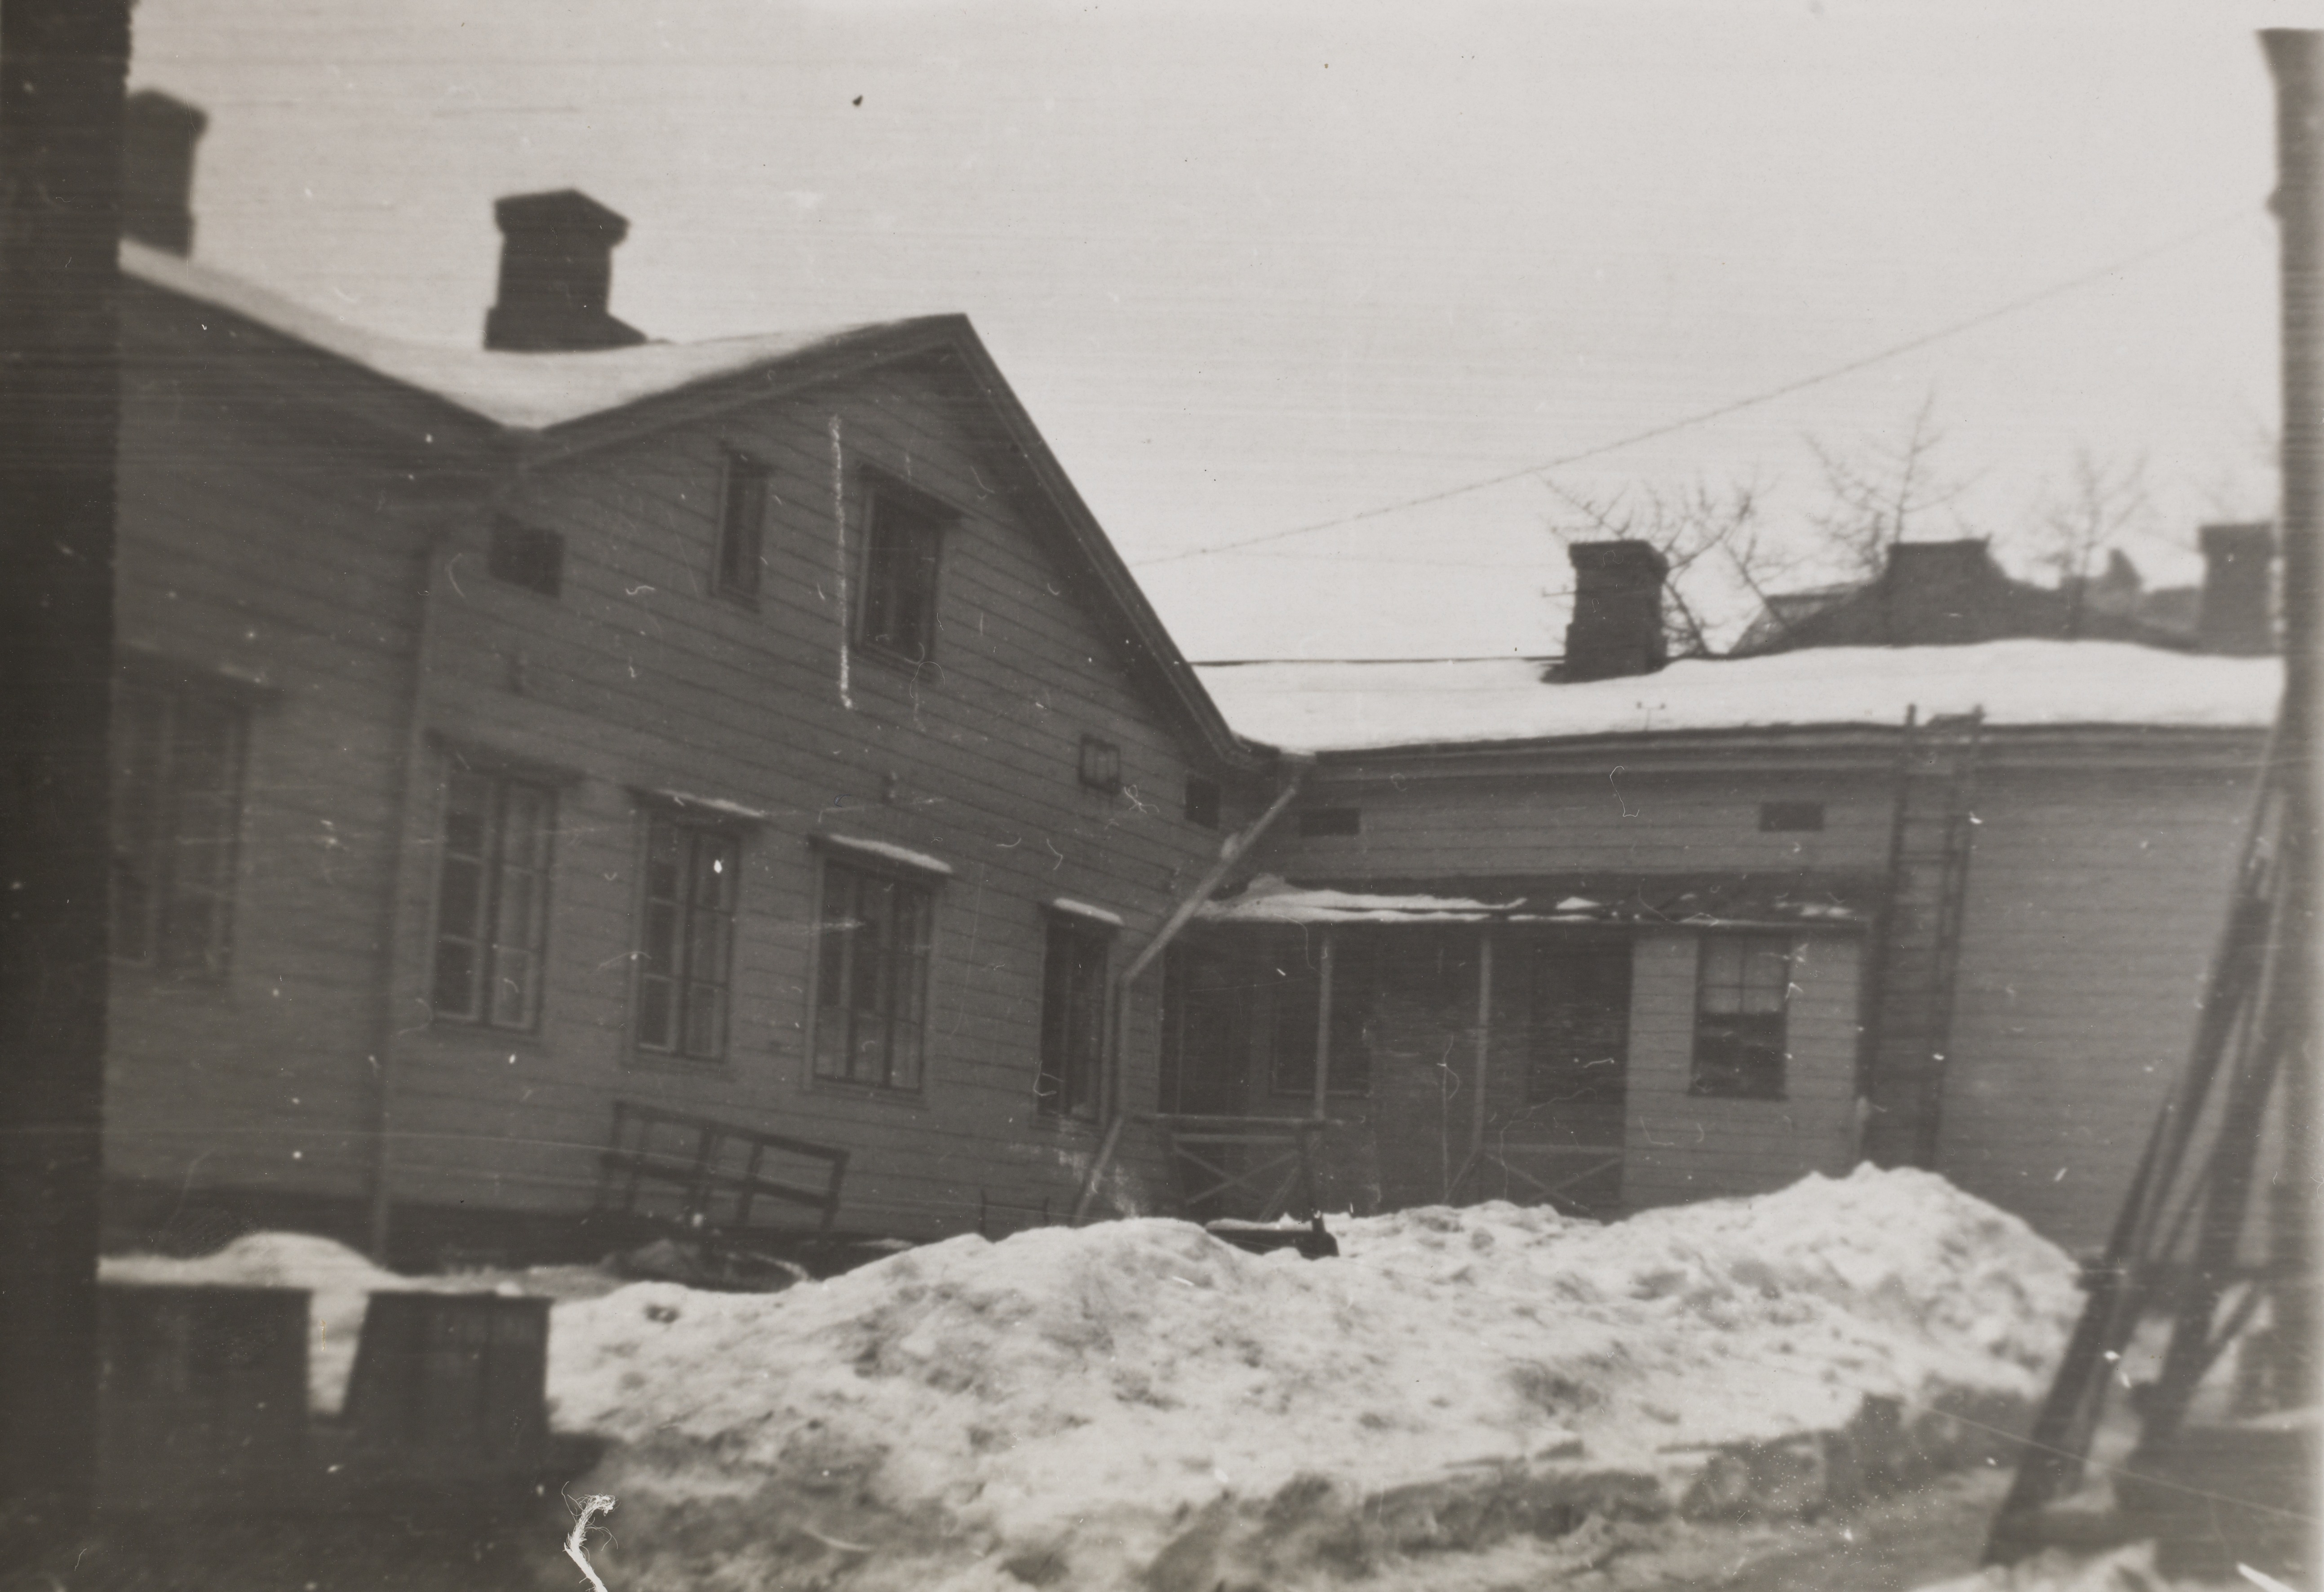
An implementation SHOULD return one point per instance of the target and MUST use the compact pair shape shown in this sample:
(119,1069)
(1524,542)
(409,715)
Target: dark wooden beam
(62,67)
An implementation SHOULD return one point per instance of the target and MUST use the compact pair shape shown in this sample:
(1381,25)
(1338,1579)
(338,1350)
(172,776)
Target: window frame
(1068,1012)
(890,502)
(161,842)
(1741,1054)
(734,576)
(836,862)
(499,781)
(692,836)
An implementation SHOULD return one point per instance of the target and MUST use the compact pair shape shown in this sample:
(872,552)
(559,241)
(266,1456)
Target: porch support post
(1324,1021)
(1484,1041)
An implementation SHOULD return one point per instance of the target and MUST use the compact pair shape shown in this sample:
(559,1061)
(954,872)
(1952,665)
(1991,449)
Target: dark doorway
(1578,1059)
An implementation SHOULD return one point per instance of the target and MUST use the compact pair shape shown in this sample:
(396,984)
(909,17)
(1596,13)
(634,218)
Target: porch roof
(1691,900)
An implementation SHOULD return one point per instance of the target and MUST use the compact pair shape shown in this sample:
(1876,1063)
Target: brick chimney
(158,134)
(557,273)
(1941,594)
(2234,615)
(1616,627)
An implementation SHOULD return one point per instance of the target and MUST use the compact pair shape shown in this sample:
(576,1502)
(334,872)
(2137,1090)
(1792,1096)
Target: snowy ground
(1464,1398)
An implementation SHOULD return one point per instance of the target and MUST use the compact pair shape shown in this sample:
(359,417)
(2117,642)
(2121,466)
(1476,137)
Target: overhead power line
(2041,295)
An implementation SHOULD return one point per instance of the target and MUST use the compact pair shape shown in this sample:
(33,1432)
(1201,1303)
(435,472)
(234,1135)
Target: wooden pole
(2295,58)
(1322,1021)
(1484,1043)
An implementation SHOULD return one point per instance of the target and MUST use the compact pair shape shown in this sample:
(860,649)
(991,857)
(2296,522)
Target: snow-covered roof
(1703,902)
(1368,706)
(528,392)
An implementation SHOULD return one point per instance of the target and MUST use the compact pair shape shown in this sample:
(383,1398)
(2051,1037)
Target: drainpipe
(1237,847)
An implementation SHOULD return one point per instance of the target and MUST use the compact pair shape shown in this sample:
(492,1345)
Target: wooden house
(581,730)
(550,766)
(1618,938)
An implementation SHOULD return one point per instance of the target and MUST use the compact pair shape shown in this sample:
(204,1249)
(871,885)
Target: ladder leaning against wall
(1909,1017)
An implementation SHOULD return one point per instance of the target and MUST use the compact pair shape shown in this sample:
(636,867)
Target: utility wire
(2041,295)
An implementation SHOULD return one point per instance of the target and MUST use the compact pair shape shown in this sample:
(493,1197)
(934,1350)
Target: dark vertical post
(2296,60)
(62,65)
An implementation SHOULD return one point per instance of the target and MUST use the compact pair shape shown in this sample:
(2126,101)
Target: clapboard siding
(635,675)
(1600,810)
(2095,903)
(239,561)
(1682,1147)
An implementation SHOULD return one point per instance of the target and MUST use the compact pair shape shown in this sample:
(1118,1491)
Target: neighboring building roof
(553,394)
(1942,593)
(1371,706)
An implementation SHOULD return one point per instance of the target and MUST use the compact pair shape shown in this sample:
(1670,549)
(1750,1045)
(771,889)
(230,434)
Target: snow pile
(1140,1403)
(1349,706)
(2123,1569)
(340,1280)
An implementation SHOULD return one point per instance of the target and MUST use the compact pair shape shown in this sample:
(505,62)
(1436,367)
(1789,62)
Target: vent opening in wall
(527,555)
(1780,817)
(1201,801)
(1329,821)
(1101,765)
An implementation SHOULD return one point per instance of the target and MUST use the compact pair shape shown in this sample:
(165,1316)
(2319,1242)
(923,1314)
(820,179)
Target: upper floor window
(1072,1015)
(1201,801)
(1779,817)
(686,939)
(872,977)
(742,524)
(906,540)
(492,900)
(1743,987)
(1329,821)
(527,555)
(176,817)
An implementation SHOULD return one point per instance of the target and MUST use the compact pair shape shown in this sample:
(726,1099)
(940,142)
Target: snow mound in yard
(1140,1403)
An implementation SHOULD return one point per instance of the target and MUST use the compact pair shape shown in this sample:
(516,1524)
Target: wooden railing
(1200,1145)
(703,1173)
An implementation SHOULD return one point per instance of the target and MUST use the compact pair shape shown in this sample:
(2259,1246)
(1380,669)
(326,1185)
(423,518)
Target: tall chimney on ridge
(158,134)
(2234,614)
(557,274)
(1616,627)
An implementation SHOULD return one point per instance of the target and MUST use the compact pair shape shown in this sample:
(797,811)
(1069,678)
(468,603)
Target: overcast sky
(1259,265)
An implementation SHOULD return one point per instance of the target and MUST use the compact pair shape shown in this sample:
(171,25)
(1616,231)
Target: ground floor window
(1742,989)
(177,813)
(872,978)
(1072,1015)
(492,900)
(686,938)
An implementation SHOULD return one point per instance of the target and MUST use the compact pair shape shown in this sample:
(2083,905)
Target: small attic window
(1780,817)
(1329,821)
(1201,801)
(1101,765)
(527,555)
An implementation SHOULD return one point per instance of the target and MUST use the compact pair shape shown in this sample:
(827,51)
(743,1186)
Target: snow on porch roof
(1370,707)
(1694,901)
(526,392)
